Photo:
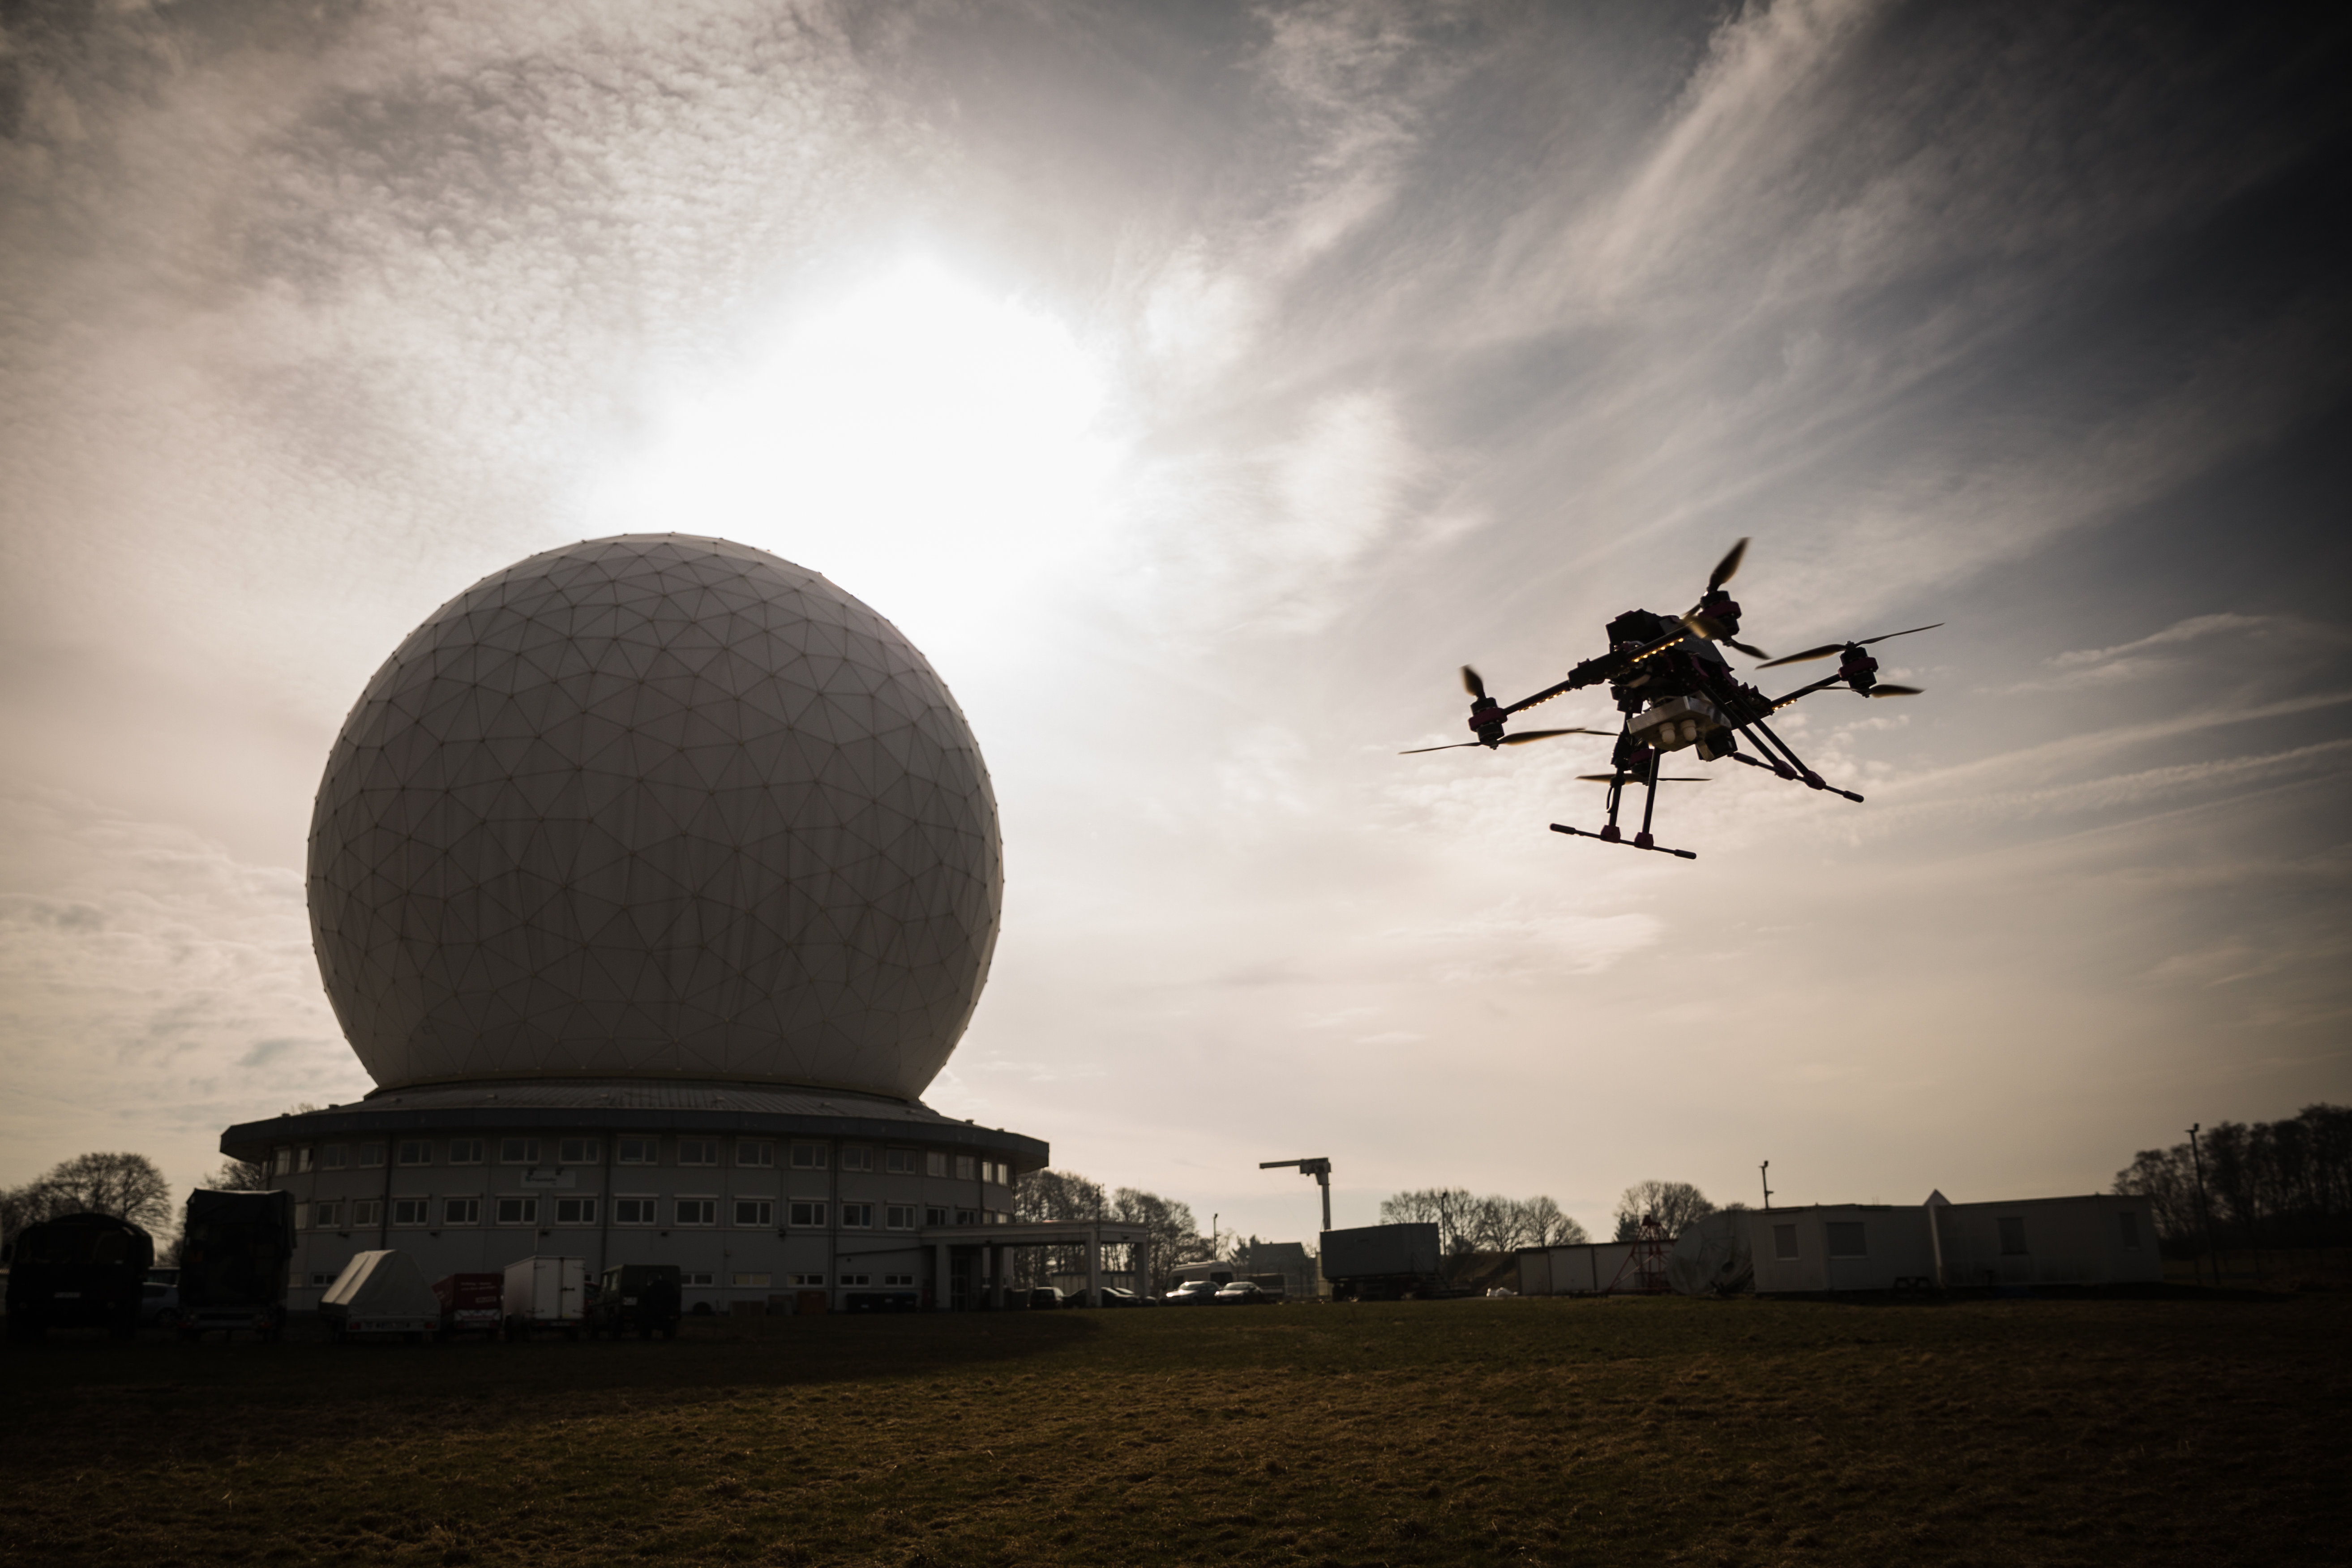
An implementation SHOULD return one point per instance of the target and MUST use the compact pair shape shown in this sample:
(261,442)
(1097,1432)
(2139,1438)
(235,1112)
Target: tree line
(1067,1196)
(2267,1183)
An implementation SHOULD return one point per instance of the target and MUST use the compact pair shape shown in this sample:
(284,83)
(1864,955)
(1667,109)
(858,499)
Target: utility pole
(1766,1168)
(2204,1209)
(1320,1169)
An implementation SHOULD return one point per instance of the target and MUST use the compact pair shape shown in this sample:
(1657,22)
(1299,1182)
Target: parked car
(1119,1296)
(1043,1296)
(1193,1293)
(159,1305)
(1246,1293)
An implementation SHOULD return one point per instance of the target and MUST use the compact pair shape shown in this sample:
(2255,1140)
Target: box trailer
(232,1260)
(381,1294)
(471,1303)
(545,1293)
(77,1270)
(1384,1263)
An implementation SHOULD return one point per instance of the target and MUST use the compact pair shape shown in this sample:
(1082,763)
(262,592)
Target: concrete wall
(2092,1240)
(1842,1246)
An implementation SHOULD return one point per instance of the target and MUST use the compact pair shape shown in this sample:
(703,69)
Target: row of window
(1845,1237)
(749,1153)
(530,1209)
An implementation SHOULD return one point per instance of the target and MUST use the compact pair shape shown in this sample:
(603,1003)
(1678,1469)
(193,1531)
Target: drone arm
(1607,668)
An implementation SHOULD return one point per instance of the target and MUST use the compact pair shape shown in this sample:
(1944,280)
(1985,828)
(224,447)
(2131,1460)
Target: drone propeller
(1471,683)
(1828,648)
(1895,691)
(1728,567)
(1518,740)
(1712,630)
(1636,778)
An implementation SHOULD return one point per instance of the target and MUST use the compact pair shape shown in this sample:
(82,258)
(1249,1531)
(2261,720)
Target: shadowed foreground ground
(2091,1432)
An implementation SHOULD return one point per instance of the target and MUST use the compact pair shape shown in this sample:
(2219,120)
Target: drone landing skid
(1609,834)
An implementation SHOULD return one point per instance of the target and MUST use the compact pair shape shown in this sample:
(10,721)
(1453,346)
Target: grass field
(1572,1432)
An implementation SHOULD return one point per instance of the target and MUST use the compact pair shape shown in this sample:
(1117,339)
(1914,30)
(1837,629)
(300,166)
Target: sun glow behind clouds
(927,446)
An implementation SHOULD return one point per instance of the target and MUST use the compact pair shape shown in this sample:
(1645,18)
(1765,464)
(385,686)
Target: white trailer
(2102,1239)
(546,1293)
(381,1293)
(1578,1269)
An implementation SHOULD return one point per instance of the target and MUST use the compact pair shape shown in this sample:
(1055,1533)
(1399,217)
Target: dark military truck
(1385,1263)
(80,1271)
(232,1260)
(642,1298)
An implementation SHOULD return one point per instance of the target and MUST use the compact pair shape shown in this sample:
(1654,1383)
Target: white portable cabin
(381,1293)
(1840,1247)
(2098,1239)
(1585,1269)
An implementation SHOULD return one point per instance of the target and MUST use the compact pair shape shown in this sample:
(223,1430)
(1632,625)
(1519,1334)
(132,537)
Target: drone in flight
(1676,692)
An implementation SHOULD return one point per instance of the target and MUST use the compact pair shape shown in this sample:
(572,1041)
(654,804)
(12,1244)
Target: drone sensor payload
(1677,692)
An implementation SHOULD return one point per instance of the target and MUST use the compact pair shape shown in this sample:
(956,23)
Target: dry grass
(2091,1432)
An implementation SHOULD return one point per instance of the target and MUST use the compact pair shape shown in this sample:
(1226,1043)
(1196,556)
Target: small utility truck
(545,1293)
(76,1271)
(233,1261)
(640,1299)
(471,1304)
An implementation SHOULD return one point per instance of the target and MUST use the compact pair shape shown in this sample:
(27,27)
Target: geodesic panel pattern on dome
(649,805)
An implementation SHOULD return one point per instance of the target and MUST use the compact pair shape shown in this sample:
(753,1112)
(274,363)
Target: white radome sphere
(649,807)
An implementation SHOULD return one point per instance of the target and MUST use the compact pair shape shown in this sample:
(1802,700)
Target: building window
(576,1151)
(415,1152)
(857,1279)
(330,1158)
(411,1210)
(1846,1238)
(518,1211)
(964,1167)
(636,1152)
(367,1211)
(808,1279)
(518,1151)
(461,1211)
(465,1150)
(808,1156)
(301,1216)
(857,1216)
(758,1212)
(575,1211)
(2012,1238)
(750,1281)
(807,1211)
(281,1162)
(2128,1224)
(693,1279)
(697,1211)
(634,1211)
(698,1151)
(754,1153)
(899,1162)
(317,1280)
(302,1159)
(898,1280)
(898,1217)
(935,1217)
(1784,1242)
(855,1157)
(967,1216)
(330,1215)
(371,1156)
(935,1163)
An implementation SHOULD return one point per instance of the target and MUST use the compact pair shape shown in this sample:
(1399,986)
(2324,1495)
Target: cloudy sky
(1199,386)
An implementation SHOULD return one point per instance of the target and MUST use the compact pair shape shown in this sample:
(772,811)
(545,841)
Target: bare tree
(1541,1223)
(240,1176)
(1175,1233)
(1447,1208)
(1676,1205)
(128,1186)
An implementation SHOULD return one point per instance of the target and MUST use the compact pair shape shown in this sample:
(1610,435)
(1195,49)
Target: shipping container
(545,1293)
(381,1293)
(1384,1262)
